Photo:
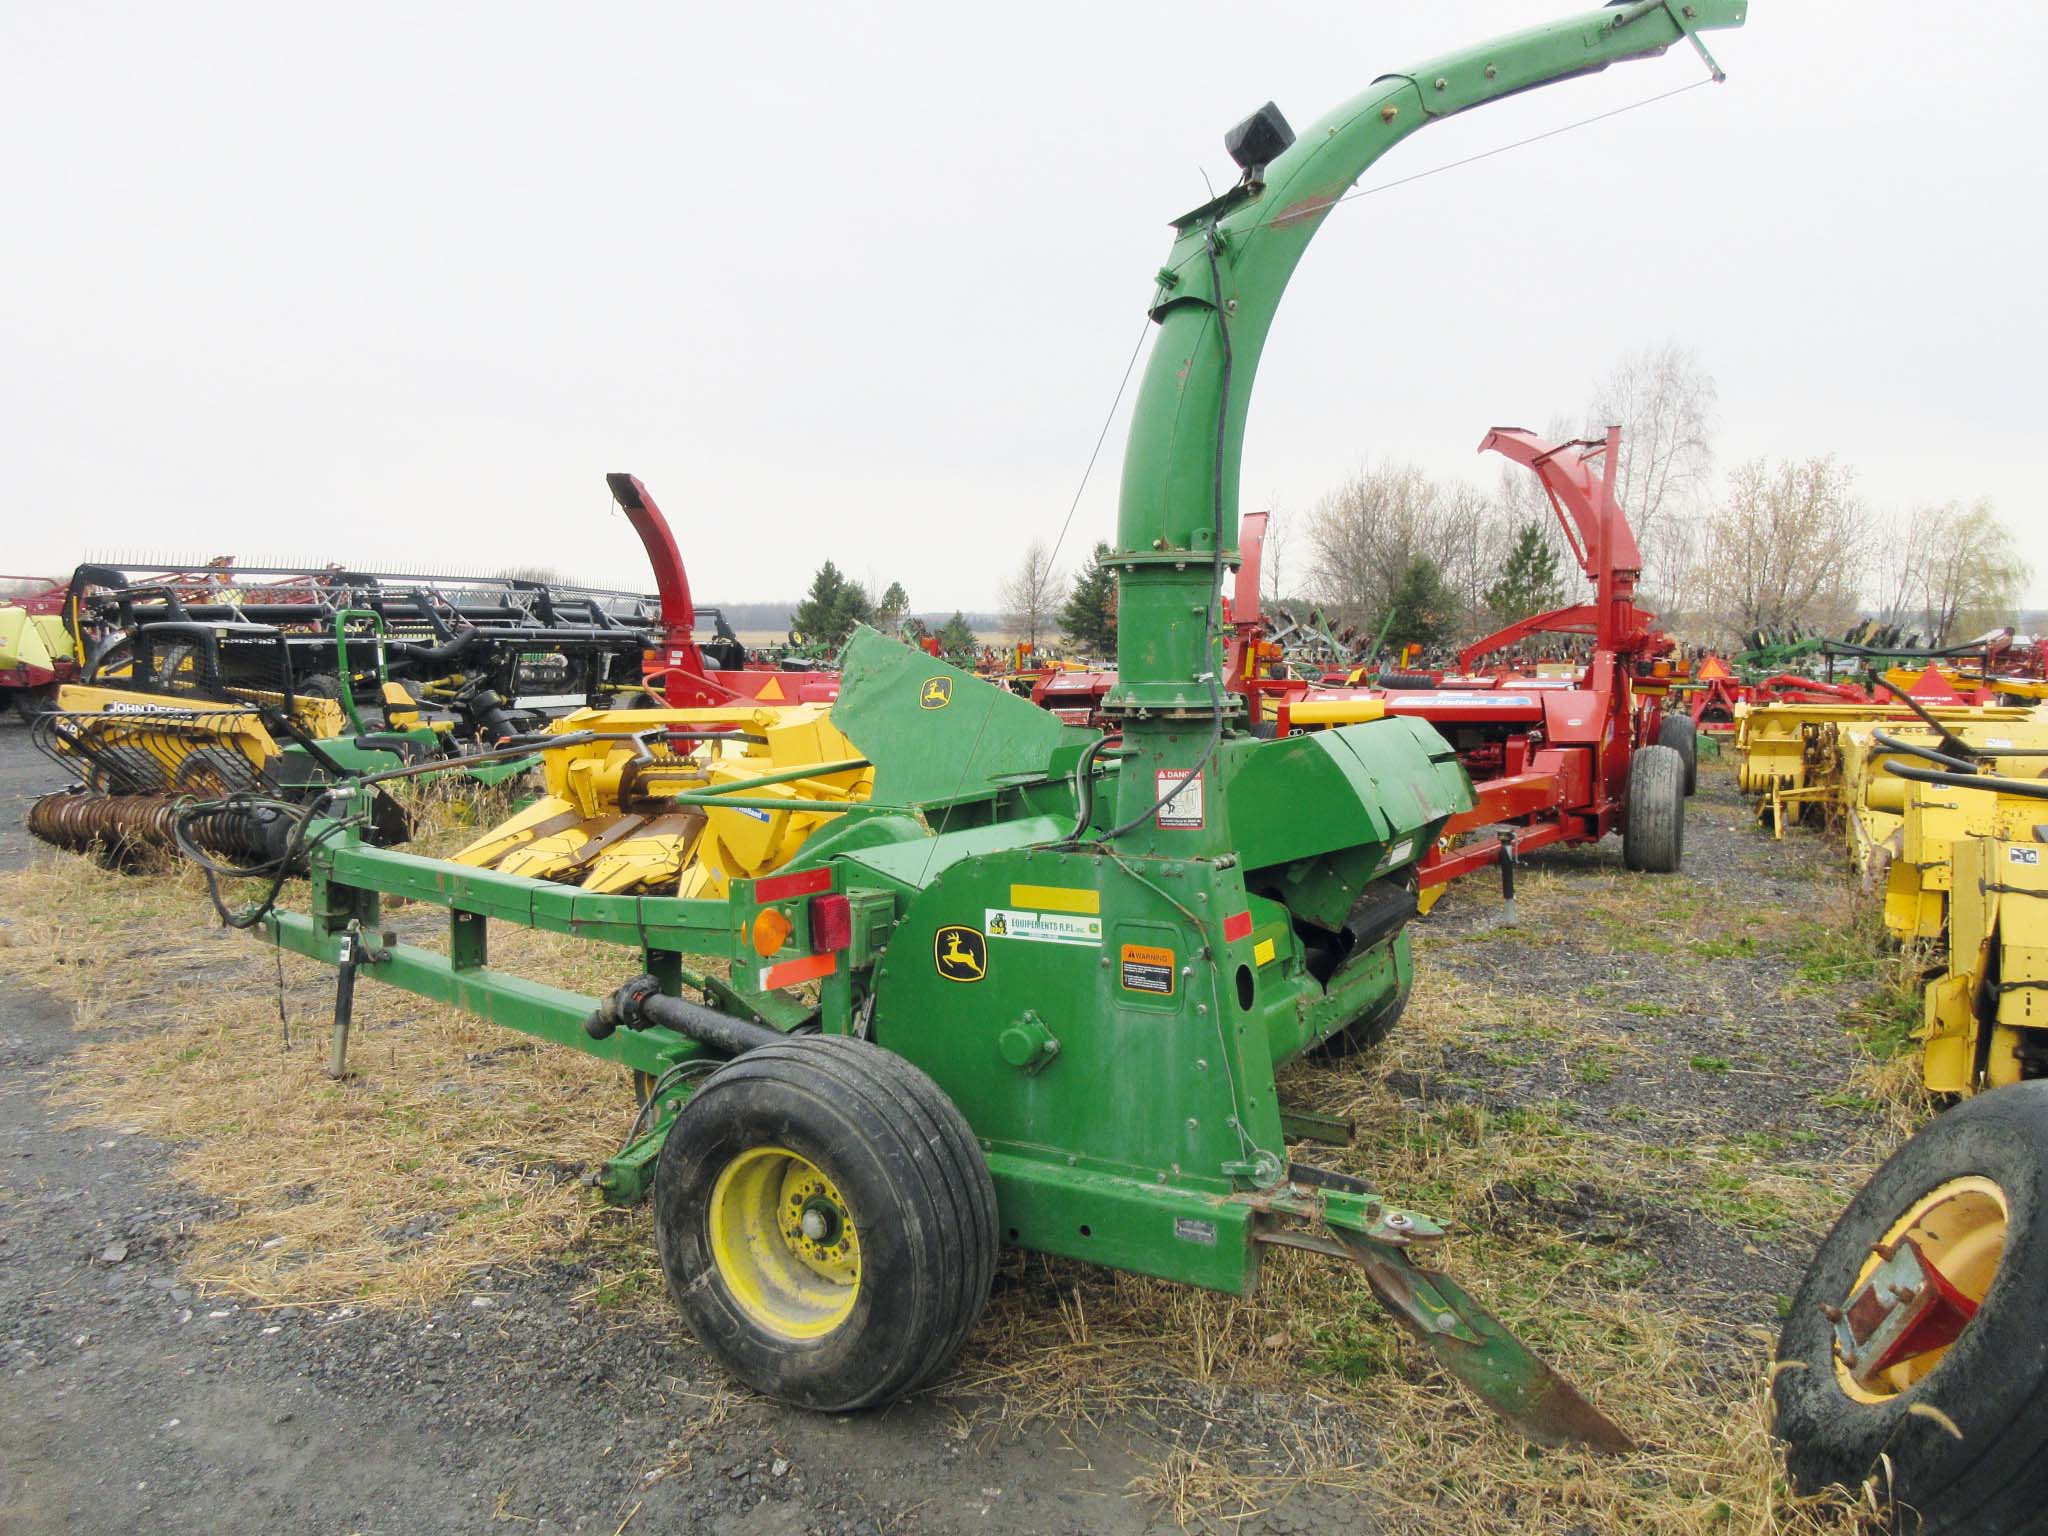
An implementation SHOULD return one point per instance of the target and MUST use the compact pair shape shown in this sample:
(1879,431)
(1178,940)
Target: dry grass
(454,1145)
(446,811)
(1345,1402)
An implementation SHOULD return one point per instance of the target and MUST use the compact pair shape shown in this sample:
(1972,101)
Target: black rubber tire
(33,703)
(321,685)
(216,772)
(1362,1035)
(914,1178)
(1416,680)
(1653,817)
(1677,733)
(1990,1472)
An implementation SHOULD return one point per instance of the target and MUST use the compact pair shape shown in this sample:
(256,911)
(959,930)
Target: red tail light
(831,924)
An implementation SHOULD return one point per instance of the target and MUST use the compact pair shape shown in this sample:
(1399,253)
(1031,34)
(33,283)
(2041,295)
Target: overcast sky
(399,284)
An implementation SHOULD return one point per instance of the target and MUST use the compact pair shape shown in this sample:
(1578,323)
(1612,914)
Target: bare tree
(1973,573)
(1273,557)
(1786,548)
(1033,595)
(1470,535)
(1899,575)
(1370,530)
(1365,533)
(1663,399)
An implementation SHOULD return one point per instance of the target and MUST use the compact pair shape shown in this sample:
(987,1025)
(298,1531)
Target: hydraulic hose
(1893,743)
(2030,789)
(641,1002)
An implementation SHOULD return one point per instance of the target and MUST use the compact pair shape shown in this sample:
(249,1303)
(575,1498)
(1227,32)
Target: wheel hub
(1919,1288)
(785,1243)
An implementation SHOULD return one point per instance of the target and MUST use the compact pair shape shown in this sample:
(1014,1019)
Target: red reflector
(803,882)
(792,973)
(831,924)
(1238,927)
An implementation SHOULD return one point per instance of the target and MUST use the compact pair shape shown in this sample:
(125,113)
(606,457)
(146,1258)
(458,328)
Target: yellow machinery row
(1945,816)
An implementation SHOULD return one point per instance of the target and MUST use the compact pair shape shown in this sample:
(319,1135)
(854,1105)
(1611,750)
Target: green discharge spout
(1251,238)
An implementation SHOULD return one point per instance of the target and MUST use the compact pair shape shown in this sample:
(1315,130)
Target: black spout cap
(1258,141)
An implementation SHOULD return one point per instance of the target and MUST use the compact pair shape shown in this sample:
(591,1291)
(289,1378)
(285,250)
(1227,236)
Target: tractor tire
(1361,1035)
(33,703)
(213,773)
(1677,732)
(1416,680)
(1952,1438)
(826,1222)
(1653,819)
(321,685)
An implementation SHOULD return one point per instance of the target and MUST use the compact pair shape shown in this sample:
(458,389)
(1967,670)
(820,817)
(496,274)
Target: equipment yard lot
(264,1301)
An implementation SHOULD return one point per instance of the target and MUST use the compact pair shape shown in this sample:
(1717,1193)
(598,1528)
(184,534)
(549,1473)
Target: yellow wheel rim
(785,1243)
(1960,1227)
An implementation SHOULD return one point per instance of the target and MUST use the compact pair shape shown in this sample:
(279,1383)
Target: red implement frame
(677,672)
(1550,761)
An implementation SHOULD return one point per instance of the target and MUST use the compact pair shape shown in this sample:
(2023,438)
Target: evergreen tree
(1425,610)
(1089,617)
(894,604)
(835,604)
(1528,578)
(959,641)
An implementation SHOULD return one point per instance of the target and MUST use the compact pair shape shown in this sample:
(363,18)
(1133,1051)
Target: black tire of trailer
(1653,817)
(1678,733)
(917,1192)
(1960,1452)
(33,703)
(1405,680)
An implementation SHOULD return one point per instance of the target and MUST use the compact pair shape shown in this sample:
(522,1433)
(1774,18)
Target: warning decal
(1148,968)
(1184,811)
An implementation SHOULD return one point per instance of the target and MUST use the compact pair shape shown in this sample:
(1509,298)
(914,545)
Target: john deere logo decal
(937,693)
(960,952)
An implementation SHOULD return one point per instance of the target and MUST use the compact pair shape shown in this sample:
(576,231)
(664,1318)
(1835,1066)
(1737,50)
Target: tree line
(1778,544)
(1775,544)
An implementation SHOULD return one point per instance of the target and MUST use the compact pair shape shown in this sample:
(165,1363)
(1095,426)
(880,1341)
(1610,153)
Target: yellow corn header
(678,801)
